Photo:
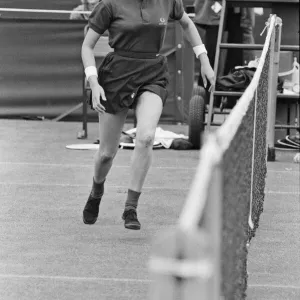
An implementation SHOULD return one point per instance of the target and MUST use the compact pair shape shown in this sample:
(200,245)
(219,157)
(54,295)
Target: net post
(272,88)
(85,94)
(179,84)
(185,263)
(181,265)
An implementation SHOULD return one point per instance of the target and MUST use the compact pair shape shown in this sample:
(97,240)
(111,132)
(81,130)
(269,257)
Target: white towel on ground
(164,137)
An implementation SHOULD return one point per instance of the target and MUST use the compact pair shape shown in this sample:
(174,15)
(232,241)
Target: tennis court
(48,253)
(217,195)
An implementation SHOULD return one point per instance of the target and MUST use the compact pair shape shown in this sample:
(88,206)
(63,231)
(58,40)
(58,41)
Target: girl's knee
(105,157)
(145,140)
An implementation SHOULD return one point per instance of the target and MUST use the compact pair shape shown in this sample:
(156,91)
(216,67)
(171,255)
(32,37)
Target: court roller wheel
(196,120)
(199,91)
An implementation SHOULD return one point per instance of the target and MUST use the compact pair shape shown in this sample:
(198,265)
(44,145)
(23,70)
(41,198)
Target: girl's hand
(97,94)
(207,72)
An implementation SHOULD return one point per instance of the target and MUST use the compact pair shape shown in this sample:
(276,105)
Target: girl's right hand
(97,94)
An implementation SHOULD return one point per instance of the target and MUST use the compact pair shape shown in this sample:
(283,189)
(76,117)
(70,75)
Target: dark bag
(181,144)
(237,80)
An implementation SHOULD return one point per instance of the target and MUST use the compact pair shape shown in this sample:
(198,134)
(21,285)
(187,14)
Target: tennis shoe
(91,210)
(131,220)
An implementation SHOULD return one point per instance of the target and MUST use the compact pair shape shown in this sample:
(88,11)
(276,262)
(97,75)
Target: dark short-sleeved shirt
(135,25)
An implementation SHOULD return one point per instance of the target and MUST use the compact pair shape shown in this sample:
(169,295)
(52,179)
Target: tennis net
(223,208)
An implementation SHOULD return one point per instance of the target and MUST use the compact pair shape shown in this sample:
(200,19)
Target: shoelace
(131,214)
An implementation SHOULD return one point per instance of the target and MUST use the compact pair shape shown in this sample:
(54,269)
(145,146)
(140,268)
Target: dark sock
(132,199)
(97,189)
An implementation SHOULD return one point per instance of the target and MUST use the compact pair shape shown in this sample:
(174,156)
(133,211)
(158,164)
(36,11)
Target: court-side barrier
(205,256)
(60,5)
(40,67)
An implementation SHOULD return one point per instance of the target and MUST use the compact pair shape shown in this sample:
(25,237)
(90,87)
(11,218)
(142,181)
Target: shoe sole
(88,222)
(132,227)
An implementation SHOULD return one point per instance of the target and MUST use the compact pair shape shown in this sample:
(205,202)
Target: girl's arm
(87,52)
(194,38)
(89,63)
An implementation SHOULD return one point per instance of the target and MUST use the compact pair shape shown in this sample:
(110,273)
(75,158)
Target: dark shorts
(125,76)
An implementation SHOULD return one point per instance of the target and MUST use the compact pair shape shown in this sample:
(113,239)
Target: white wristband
(199,50)
(90,71)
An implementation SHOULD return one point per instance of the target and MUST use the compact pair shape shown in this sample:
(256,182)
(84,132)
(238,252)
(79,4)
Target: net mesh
(260,146)
(245,154)
(245,168)
(237,166)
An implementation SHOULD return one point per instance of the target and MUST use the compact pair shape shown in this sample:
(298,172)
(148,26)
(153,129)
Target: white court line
(125,187)
(117,166)
(71,278)
(277,286)
(284,171)
(87,185)
(282,193)
(84,166)
(113,279)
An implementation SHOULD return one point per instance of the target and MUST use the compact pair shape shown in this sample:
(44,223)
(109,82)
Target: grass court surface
(48,253)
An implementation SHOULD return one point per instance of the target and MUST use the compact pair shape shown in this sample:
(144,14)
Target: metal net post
(185,262)
(272,91)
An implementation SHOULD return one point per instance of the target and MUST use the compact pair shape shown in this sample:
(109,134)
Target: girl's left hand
(207,72)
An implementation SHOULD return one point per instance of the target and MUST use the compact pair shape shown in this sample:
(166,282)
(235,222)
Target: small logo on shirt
(162,22)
